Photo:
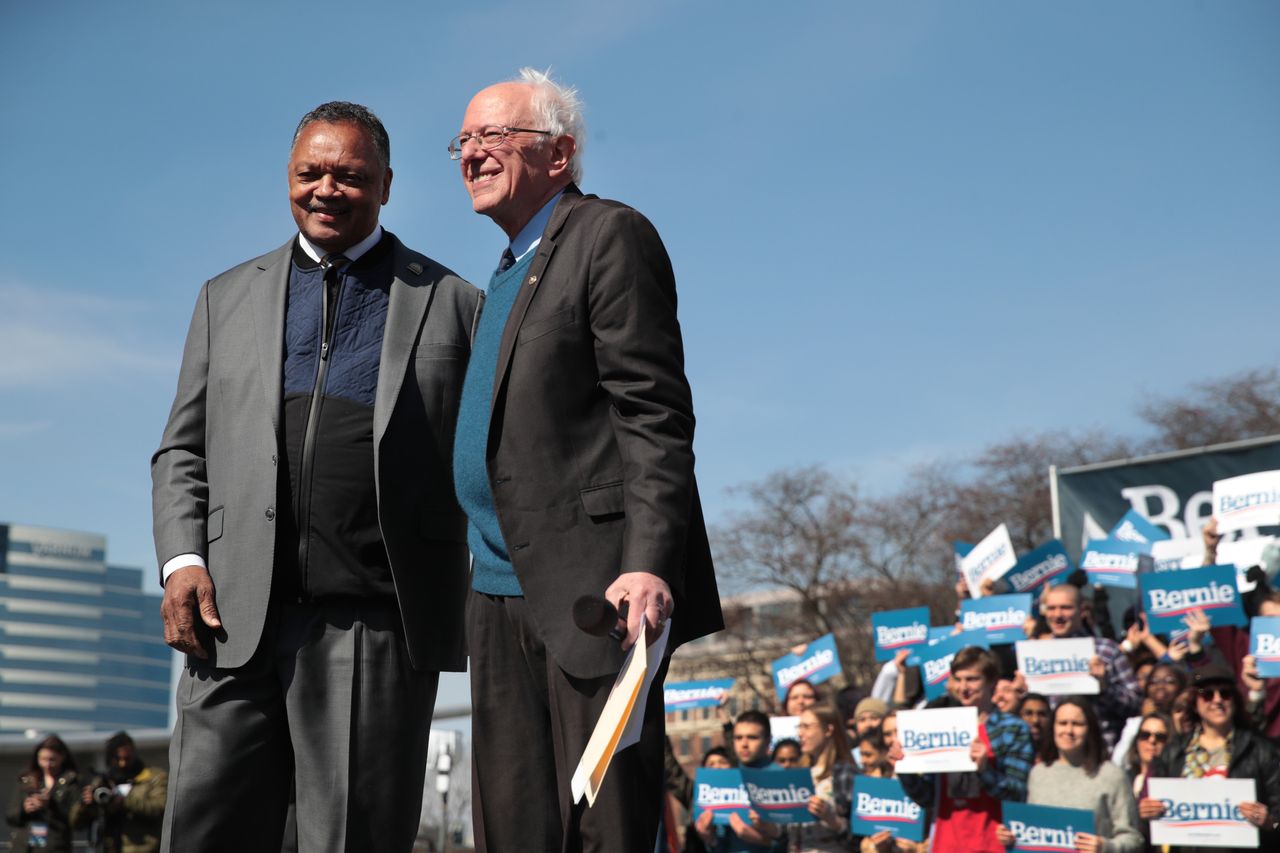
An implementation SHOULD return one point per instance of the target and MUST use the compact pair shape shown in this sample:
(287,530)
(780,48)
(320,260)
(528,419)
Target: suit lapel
(546,247)
(410,295)
(270,289)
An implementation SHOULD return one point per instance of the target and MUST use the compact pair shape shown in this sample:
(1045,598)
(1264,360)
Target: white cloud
(49,336)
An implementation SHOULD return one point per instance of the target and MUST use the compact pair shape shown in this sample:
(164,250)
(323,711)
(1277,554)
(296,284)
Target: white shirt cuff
(180,562)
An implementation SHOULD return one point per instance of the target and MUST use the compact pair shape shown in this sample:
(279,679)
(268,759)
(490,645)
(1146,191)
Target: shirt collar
(352,254)
(531,234)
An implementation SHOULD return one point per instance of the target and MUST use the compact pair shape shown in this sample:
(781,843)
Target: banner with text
(1167,597)
(1203,812)
(899,629)
(819,662)
(1133,526)
(685,695)
(1248,501)
(936,740)
(780,796)
(880,805)
(989,559)
(1113,562)
(1047,565)
(1058,667)
(720,792)
(1264,644)
(1045,829)
(1000,617)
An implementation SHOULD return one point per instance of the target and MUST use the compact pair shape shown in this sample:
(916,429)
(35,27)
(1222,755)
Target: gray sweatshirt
(1107,794)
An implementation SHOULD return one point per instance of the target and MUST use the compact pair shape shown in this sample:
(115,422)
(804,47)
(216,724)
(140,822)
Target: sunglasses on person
(1147,734)
(1223,694)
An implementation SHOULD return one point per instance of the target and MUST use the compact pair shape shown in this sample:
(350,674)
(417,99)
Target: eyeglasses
(488,137)
(1224,694)
(1166,680)
(1156,736)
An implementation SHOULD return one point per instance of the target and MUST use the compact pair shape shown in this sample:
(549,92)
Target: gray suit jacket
(214,477)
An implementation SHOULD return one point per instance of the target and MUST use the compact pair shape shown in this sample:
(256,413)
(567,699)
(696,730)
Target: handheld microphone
(594,615)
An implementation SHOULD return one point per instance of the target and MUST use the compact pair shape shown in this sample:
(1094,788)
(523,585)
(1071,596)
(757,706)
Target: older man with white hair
(574,465)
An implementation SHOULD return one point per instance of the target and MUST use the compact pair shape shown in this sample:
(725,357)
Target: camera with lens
(102,794)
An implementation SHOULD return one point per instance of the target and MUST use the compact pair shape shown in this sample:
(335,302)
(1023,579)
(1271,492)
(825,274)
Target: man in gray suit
(313,555)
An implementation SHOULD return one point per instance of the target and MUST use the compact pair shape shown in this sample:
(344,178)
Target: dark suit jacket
(590,451)
(215,474)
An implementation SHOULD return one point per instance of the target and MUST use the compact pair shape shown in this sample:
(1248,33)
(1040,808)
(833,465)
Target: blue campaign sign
(1045,829)
(1114,562)
(936,633)
(1168,596)
(935,660)
(1264,644)
(1000,617)
(819,662)
(899,629)
(780,796)
(1046,566)
(1134,527)
(881,804)
(721,792)
(684,695)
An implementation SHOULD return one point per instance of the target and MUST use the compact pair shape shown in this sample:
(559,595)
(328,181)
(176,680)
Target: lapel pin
(415,268)
(533,279)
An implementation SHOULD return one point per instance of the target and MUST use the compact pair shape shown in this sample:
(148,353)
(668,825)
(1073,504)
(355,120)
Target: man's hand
(978,754)
(1255,813)
(1149,809)
(1098,669)
(649,602)
(188,591)
(705,830)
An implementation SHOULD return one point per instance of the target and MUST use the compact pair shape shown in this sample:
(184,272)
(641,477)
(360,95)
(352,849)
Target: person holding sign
(968,804)
(1222,744)
(822,738)
(1074,774)
(751,746)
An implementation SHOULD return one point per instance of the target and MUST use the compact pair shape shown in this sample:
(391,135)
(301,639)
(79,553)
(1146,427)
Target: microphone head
(594,615)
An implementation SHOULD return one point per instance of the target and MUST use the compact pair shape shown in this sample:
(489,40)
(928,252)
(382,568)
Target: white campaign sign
(1172,554)
(989,560)
(1243,553)
(1251,500)
(1203,812)
(1058,667)
(937,740)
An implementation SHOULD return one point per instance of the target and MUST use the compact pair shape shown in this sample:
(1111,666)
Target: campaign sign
(1169,596)
(1169,555)
(936,740)
(1045,566)
(780,796)
(1112,562)
(819,662)
(935,660)
(1045,829)
(1057,667)
(782,728)
(937,633)
(721,792)
(1000,617)
(1264,644)
(1203,812)
(1251,500)
(899,629)
(1244,554)
(1134,527)
(683,695)
(961,550)
(990,558)
(881,804)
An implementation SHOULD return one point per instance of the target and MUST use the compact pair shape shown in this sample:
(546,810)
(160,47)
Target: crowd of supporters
(1188,707)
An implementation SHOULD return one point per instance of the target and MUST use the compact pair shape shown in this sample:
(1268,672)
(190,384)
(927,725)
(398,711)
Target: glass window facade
(81,644)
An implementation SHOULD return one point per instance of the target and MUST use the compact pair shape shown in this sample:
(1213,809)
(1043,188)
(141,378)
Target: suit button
(270,513)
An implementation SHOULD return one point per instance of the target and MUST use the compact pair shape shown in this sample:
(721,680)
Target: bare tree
(1246,405)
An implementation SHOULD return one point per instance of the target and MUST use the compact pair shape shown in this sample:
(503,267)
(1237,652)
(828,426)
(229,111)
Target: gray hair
(559,109)
(345,112)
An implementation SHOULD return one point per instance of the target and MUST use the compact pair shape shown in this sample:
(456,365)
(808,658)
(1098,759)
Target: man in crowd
(751,736)
(123,810)
(313,555)
(1118,696)
(574,464)
(1035,711)
(968,804)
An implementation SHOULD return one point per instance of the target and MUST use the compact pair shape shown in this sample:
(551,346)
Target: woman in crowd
(800,695)
(822,738)
(1165,683)
(40,809)
(1221,743)
(874,755)
(787,754)
(1154,733)
(1073,774)
(1181,711)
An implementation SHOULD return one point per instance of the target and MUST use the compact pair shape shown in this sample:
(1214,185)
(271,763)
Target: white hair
(559,109)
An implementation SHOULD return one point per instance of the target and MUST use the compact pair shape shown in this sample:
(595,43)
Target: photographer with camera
(43,799)
(124,806)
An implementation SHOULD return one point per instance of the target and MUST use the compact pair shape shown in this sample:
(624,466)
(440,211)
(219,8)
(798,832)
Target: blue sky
(900,230)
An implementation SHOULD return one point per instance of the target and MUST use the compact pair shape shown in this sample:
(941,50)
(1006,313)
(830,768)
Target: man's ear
(562,149)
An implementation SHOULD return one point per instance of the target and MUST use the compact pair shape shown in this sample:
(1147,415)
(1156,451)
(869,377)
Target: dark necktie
(508,260)
(333,265)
